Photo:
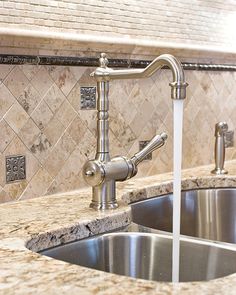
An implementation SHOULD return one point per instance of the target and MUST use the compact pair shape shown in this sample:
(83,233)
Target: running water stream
(178,130)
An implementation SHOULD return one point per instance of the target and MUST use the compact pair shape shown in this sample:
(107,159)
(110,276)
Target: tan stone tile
(4,71)
(16,117)
(42,115)
(68,177)
(66,113)
(54,130)
(42,81)
(64,78)
(86,79)
(88,145)
(89,118)
(136,96)
(122,131)
(3,171)
(6,135)
(38,185)
(4,197)
(54,98)
(14,190)
(74,97)
(6,100)
(78,71)
(16,81)
(59,154)
(41,148)
(29,99)
(29,133)
(77,130)
(30,70)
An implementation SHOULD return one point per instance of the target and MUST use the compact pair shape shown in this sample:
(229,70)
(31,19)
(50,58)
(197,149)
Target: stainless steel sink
(148,256)
(208,214)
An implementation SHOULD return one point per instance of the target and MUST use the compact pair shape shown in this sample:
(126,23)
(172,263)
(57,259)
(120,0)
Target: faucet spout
(178,86)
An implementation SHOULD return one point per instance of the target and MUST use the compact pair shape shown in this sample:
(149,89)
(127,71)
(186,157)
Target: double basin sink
(144,248)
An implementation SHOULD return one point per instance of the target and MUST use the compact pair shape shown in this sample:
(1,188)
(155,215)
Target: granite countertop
(44,222)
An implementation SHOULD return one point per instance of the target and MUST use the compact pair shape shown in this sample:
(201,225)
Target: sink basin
(148,256)
(208,214)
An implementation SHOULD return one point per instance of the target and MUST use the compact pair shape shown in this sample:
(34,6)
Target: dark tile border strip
(93,62)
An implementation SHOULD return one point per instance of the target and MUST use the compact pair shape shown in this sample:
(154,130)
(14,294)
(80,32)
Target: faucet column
(104,196)
(102,122)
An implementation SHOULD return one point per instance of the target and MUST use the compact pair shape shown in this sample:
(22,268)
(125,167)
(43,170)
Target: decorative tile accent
(88,98)
(15,168)
(142,145)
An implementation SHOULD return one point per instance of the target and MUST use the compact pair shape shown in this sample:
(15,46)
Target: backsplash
(45,119)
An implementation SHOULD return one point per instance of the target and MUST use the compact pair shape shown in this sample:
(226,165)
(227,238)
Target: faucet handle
(156,142)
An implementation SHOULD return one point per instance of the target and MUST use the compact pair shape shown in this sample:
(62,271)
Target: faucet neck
(178,86)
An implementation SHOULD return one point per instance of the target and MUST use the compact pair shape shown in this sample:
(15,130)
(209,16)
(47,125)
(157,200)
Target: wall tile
(6,100)
(6,135)
(16,117)
(16,81)
(57,137)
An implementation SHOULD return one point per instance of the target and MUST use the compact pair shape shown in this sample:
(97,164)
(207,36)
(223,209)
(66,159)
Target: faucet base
(219,171)
(103,206)
(104,196)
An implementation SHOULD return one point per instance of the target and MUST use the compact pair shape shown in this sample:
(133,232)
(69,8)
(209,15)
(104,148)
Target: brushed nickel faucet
(220,129)
(103,172)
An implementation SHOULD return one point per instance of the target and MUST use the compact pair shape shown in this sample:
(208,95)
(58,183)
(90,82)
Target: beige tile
(14,190)
(64,78)
(4,71)
(54,130)
(68,177)
(16,81)
(29,133)
(38,185)
(66,113)
(42,115)
(16,117)
(6,100)
(74,97)
(77,130)
(42,81)
(6,135)
(3,171)
(29,99)
(88,145)
(41,148)
(4,197)
(30,70)
(54,98)
(59,154)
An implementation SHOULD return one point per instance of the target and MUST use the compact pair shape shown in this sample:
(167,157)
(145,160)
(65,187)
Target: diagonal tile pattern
(41,118)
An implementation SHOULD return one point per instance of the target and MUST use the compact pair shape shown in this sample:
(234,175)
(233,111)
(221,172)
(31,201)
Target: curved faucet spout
(178,86)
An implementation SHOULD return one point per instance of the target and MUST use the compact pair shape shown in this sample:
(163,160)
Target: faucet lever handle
(156,142)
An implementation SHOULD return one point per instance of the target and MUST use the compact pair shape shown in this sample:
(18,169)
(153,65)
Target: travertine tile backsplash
(41,118)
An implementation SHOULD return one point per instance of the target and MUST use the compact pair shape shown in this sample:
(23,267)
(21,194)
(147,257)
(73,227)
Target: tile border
(93,62)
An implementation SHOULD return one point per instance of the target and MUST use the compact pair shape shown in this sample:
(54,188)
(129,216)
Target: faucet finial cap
(103,61)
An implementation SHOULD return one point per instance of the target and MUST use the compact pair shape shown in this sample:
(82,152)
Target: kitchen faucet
(103,172)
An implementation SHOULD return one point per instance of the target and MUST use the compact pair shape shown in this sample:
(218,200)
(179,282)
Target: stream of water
(177,159)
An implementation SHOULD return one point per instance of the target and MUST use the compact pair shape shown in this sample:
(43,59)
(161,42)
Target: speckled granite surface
(48,221)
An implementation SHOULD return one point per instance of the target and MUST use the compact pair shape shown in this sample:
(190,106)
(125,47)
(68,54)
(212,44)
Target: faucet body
(220,129)
(103,172)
